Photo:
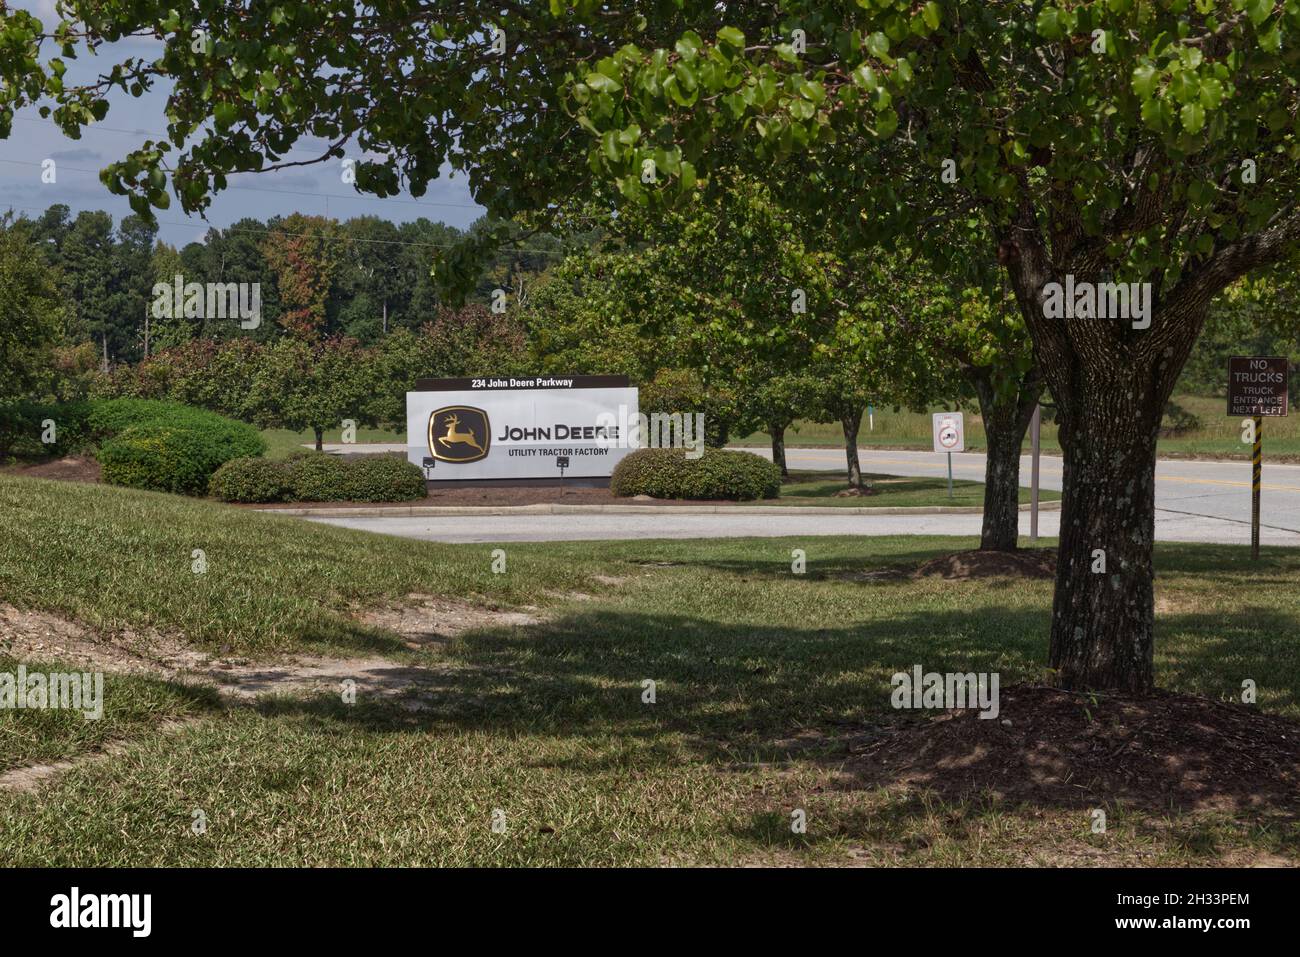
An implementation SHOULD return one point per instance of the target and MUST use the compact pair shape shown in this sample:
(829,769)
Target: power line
(92,127)
(287,192)
(290,152)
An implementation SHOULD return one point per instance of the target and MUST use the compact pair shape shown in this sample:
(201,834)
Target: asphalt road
(1196,501)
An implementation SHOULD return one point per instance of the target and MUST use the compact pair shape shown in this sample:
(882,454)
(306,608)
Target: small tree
(30,305)
(302,385)
(772,402)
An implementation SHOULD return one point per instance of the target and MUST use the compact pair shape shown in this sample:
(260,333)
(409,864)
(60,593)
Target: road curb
(433,511)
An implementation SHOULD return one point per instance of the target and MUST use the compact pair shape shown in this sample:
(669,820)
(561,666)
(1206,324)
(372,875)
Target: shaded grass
(132,705)
(764,680)
(281,443)
(809,487)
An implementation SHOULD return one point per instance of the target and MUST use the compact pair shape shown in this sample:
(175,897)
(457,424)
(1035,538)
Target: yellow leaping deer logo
(459,433)
(454,436)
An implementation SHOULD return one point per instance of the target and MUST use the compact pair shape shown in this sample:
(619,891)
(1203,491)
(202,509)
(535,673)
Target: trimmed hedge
(717,474)
(21,428)
(251,481)
(156,457)
(163,446)
(316,477)
(384,478)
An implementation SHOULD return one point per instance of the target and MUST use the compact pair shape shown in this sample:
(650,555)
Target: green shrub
(251,480)
(383,478)
(22,425)
(316,477)
(159,458)
(165,446)
(81,426)
(717,474)
(226,437)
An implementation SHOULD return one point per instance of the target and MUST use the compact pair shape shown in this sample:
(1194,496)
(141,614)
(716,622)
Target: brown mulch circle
(74,468)
(1163,751)
(1022,563)
(856,491)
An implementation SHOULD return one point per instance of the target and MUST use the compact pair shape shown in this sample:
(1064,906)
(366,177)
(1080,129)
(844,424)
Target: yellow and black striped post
(1257,461)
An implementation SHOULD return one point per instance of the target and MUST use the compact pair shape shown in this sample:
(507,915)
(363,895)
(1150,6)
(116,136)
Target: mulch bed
(74,468)
(1022,563)
(1166,751)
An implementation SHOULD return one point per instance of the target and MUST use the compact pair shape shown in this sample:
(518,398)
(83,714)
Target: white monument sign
(518,428)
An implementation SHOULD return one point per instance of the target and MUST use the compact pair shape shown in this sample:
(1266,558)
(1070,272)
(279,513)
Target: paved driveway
(1196,501)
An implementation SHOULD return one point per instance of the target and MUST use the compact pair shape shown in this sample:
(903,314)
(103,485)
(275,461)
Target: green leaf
(732,37)
(689,45)
(931,14)
(609,145)
(1144,80)
(602,83)
(865,76)
(1050,23)
(686,77)
(1193,117)
(224,114)
(886,124)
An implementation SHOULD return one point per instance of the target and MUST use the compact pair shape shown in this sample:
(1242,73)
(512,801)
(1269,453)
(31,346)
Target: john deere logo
(459,433)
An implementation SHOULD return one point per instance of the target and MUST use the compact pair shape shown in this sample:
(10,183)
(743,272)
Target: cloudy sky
(311,190)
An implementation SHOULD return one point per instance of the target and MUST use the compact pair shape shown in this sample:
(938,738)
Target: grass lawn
(282,442)
(1218,435)
(808,487)
(764,680)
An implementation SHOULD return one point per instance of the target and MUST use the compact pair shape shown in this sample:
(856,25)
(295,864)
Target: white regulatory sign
(949,432)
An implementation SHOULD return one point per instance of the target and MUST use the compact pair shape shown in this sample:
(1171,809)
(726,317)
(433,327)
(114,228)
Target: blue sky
(312,190)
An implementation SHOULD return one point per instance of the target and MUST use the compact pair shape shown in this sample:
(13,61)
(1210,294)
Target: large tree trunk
(1110,380)
(1103,614)
(1005,420)
(778,447)
(320,439)
(851,422)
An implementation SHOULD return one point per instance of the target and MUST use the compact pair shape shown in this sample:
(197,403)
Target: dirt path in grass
(421,621)
(30,777)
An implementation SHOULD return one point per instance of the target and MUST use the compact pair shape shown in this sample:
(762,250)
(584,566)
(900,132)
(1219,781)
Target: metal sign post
(562,463)
(1256,477)
(1035,428)
(1257,386)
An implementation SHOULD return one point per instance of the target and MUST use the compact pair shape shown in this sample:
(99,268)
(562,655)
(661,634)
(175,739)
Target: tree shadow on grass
(922,828)
(814,698)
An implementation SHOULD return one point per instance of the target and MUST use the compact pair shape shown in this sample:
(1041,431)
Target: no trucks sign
(1256,388)
(949,434)
(1257,385)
